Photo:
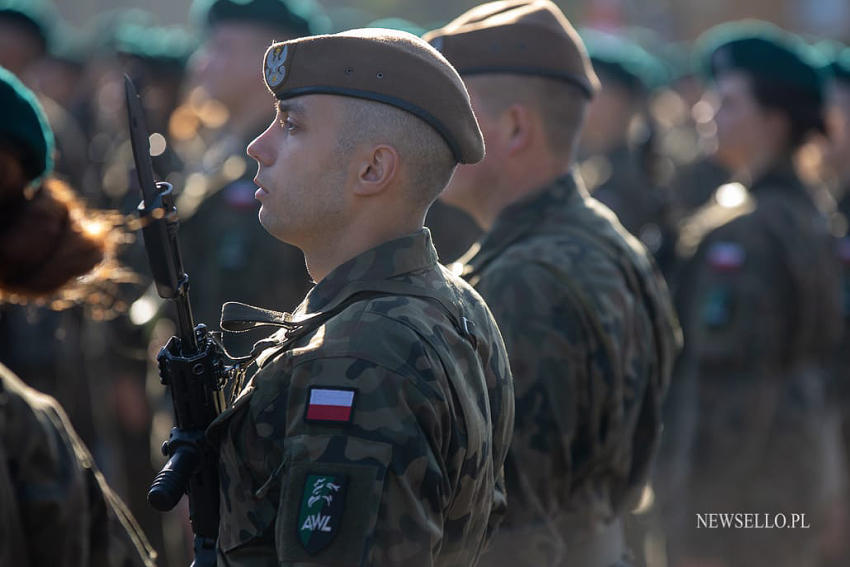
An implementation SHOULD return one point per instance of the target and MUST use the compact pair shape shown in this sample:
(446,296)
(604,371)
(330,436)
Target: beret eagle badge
(276,66)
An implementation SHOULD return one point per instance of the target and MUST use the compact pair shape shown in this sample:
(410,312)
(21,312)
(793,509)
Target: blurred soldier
(838,164)
(60,73)
(42,346)
(620,162)
(27,30)
(375,431)
(585,315)
(760,314)
(55,508)
(155,58)
(24,33)
(690,137)
(227,254)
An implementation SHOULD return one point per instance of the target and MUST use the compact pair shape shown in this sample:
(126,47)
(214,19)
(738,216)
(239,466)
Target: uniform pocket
(330,499)
(244,517)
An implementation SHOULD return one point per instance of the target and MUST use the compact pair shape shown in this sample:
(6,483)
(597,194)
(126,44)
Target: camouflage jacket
(761,315)
(55,507)
(375,436)
(591,337)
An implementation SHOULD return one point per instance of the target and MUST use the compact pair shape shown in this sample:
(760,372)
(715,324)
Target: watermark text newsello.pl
(752,521)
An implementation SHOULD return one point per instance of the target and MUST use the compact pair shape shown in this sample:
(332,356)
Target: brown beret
(388,66)
(526,37)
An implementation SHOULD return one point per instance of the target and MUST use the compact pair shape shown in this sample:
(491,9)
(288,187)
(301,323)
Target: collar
(521,217)
(393,258)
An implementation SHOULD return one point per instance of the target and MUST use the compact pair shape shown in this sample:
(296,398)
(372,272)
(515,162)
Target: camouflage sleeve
(366,459)
(547,341)
(47,483)
(69,515)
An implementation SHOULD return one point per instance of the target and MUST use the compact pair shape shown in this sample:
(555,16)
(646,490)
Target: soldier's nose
(255,150)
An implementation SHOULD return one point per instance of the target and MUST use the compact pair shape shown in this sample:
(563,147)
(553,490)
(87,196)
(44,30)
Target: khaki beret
(526,37)
(387,66)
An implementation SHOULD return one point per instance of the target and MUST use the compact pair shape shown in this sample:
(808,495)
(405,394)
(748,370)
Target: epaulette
(729,201)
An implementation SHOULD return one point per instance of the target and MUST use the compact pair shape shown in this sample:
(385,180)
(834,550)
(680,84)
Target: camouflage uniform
(55,508)
(412,473)
(591,336)
(761,315)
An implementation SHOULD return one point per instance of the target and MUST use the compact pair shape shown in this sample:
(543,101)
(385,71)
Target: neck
(328,251)
(518,183)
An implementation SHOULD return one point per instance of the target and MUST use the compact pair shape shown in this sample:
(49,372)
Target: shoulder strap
(238,317)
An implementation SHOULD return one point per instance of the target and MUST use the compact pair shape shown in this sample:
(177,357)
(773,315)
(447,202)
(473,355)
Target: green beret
(525,37)
(295,17)
(764,51)
(387,66)
(624,61)
(32,15)
(839,65)
(24,126)
(167,47)
(69,45)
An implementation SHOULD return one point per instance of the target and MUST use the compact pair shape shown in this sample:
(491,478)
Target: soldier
(55,507)
(585,314)
(376,427)
(838,164)
(224,247)
(24,33)
(760,313)
(620,163)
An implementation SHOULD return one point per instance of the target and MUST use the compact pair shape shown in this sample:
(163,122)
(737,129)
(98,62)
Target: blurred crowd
(670,150)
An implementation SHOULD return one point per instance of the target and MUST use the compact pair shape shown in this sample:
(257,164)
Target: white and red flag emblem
(330,404)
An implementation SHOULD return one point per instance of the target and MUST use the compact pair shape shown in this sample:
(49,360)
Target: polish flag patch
(726,256)
(330,405)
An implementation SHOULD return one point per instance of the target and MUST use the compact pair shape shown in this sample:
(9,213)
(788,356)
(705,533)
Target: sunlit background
(673,19)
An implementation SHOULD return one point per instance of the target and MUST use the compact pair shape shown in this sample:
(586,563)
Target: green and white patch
(322,503)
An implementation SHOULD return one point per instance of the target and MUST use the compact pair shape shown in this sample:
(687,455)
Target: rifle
(191,364)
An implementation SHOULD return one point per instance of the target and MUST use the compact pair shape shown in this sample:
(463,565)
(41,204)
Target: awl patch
(322,504)
(330,405)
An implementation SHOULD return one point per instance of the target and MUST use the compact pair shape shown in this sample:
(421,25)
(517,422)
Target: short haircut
(561,104)
(423,152)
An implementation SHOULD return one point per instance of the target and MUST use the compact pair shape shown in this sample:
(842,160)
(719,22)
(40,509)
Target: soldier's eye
(287,124)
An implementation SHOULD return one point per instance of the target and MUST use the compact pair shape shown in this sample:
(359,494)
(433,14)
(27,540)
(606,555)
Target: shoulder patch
(322,505)
(726,256)
(330,405)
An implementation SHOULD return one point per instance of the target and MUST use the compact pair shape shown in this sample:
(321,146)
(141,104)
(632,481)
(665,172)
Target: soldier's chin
(265,222)
(276,228)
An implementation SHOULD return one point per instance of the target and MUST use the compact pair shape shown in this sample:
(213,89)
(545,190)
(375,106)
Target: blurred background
(197,70)
(673,19)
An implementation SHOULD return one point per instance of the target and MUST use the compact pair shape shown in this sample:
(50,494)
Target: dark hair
(42,243)
(803,108)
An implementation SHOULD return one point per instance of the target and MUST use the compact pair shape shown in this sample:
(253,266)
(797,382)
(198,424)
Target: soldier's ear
(518,127)
(377,171)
